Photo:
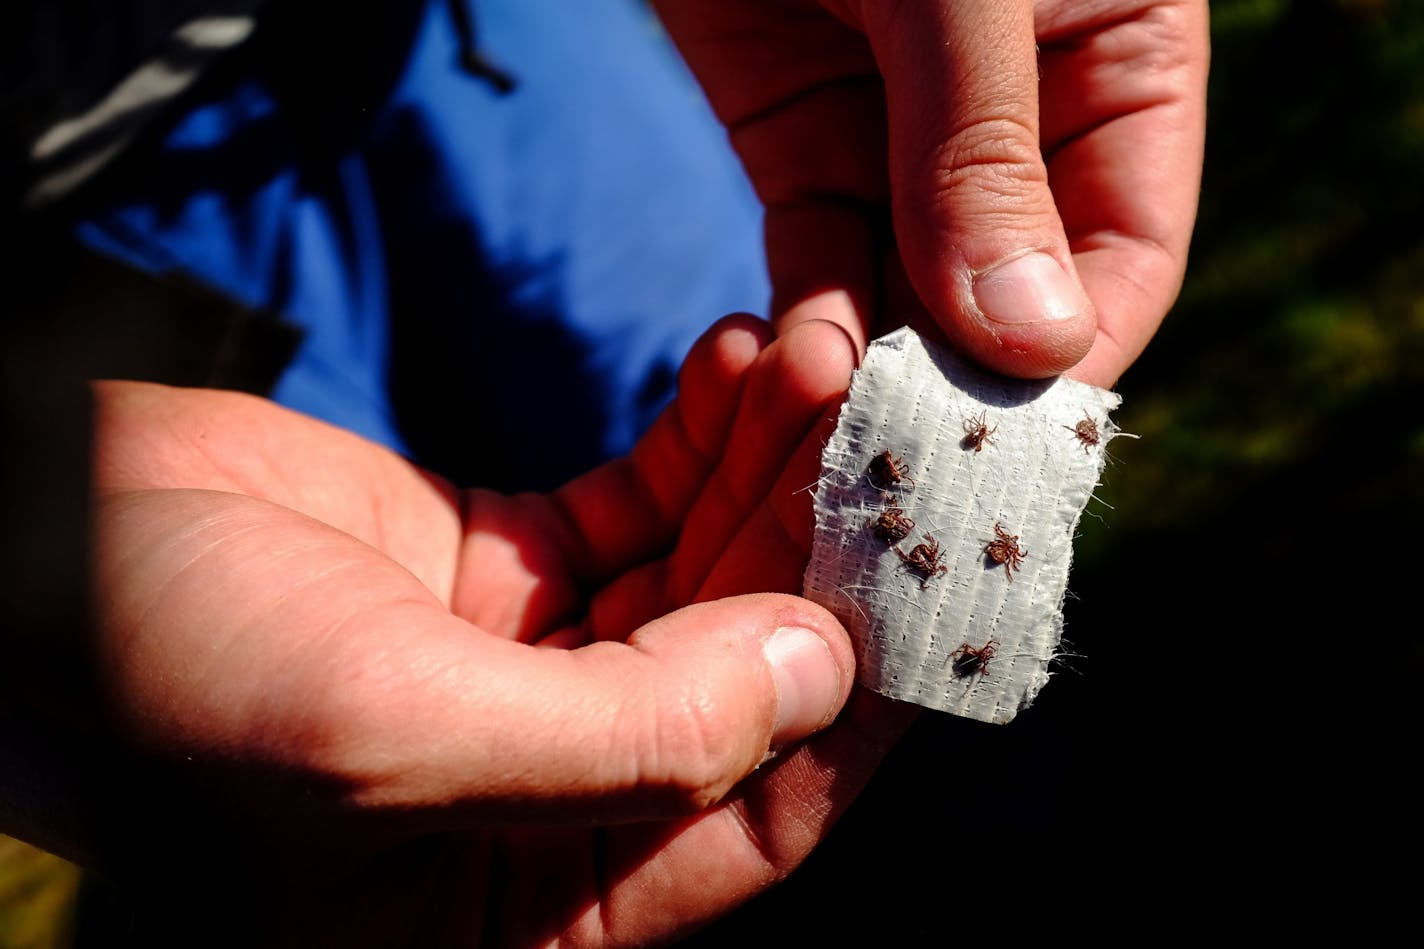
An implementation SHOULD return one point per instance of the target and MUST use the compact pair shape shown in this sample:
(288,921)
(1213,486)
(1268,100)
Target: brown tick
(886,471)
(977,432)
(1005,549)
(1086,431)
(892,526)
(966,660)
(924,559)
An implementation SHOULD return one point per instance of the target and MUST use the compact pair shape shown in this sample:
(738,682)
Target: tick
(886,471)
(1086,431)
(924,559)
(977,432)
(966,660)
(892,526)
(1005,549)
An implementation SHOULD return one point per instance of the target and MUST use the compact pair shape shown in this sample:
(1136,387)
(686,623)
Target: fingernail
(1031,288)
(807,682)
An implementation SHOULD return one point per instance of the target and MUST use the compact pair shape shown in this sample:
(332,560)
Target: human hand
(1042,162)
(386,711)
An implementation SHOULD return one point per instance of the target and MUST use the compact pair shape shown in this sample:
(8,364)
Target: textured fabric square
(948,560)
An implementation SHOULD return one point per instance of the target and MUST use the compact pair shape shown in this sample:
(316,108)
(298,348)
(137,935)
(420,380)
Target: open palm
(378,710)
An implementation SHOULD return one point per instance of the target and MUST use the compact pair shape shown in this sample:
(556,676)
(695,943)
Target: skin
(465,717)
(903,148)
(354,706)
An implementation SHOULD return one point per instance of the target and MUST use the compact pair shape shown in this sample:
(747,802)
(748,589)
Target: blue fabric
(500,285)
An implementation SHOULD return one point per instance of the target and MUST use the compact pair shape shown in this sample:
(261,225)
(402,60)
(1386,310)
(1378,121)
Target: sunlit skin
(903,148)
(390,670)
(357,706)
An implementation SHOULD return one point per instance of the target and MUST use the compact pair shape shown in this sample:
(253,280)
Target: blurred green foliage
(1244,570)
(1294,359)
(1240,604)
(1280,468)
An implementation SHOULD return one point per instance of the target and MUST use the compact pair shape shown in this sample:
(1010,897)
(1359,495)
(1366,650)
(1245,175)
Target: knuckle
(698,745)
(998,156)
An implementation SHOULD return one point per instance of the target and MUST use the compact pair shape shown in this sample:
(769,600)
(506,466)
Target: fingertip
(811,686)
(1028,289)
(721,354)
(834,306)
(827,349)
(1026,316)
(1038,353)
(807,368)
(712,375)
(741,336)
(744,710)
(976,221)
(808,654)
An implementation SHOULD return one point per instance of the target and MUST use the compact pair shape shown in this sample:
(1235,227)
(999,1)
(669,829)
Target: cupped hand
(1031,167)
(416,715)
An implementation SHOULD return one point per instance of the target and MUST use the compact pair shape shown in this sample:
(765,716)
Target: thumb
(664,724)
(976,223)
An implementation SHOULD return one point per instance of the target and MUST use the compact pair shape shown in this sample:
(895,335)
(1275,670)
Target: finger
(976,222)
(757,836)
(804,106)
(318,658)
(820,258)
(152,436)
(825,194)
(486,729)
(546,553)
(645,883)
(772,549)
(762,550)
(1124,129)
(787,392)
(637,597)
(631,509)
